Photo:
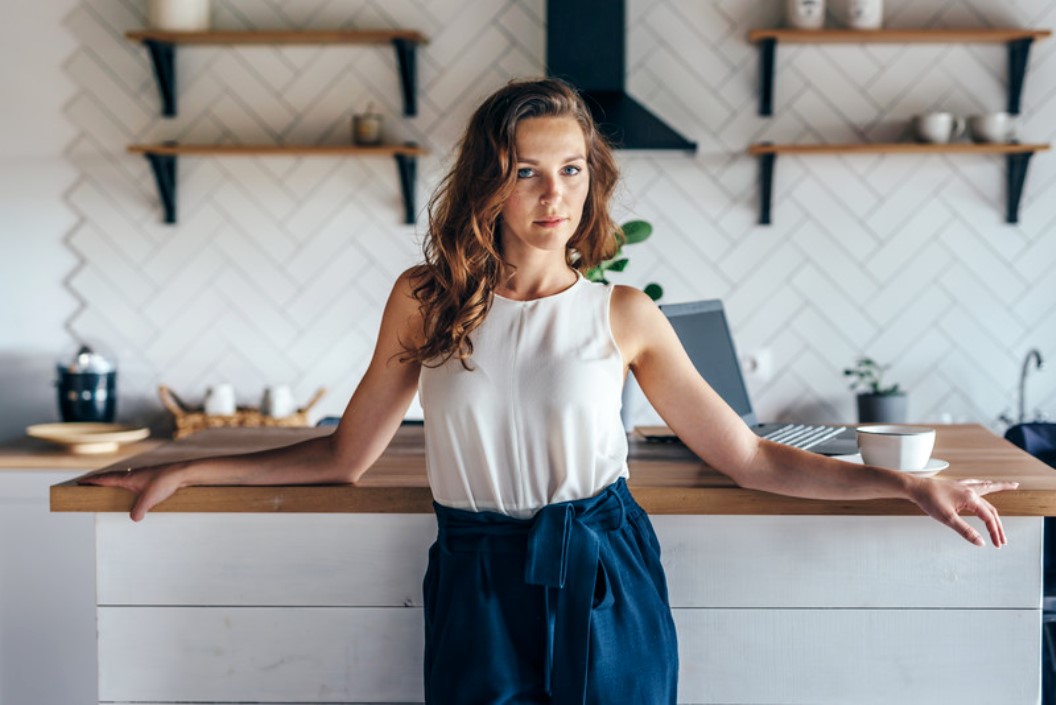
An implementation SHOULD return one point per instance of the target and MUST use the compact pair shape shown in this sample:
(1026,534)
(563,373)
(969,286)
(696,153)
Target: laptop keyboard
(803,436)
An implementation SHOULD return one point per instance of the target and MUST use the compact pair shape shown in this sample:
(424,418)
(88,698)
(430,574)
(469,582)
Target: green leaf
(654,291)
(595,274)
(637,231)
(616,265)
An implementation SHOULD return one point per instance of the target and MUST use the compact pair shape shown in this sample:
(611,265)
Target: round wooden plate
(88,438)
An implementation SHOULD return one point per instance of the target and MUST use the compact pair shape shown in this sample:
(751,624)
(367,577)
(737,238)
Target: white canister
(220,400)
(277,401)
(179,15)
(865,14)
(805,14)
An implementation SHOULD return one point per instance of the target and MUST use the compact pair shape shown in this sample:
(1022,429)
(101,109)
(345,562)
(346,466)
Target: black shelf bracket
(1017,176)
(164,166)
(407,165)
(405,58)
(767,56)
(766,186)
(1018,54)
(163,56)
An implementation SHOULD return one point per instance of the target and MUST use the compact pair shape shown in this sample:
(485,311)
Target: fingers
(988,513)
(153,494)
(111,478)
(964,529)
(987,486)
(143,483)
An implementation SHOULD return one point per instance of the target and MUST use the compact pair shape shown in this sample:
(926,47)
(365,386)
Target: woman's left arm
(712,430)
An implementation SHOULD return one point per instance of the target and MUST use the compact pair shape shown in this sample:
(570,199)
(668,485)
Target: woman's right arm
(368,424)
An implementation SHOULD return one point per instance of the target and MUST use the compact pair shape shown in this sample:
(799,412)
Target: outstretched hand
(944,500)
(151,485)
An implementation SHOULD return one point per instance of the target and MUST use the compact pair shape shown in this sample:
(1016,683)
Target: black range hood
(586,44)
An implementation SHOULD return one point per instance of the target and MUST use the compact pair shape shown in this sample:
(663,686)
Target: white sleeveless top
(537,419)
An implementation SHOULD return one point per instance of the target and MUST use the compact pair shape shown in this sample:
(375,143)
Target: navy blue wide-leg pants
(569,607)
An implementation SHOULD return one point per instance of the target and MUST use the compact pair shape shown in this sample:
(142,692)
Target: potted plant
(634,231)
(878,403)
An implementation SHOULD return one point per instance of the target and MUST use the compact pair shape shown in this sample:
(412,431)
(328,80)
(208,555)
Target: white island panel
(371,654)
(711,561)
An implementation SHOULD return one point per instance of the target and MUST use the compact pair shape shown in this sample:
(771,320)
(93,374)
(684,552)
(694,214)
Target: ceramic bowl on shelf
(84,438)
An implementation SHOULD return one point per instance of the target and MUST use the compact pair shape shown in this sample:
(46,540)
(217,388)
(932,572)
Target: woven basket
(191,420)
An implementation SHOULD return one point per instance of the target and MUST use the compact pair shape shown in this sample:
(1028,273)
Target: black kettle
(87,387)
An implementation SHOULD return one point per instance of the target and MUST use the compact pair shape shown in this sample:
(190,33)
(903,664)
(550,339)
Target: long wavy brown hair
(463,258)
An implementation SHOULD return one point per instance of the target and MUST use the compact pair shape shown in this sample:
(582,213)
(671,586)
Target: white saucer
(934,466)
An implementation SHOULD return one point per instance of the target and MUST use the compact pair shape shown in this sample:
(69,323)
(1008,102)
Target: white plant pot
(805,14)
(179,15)
(865,14)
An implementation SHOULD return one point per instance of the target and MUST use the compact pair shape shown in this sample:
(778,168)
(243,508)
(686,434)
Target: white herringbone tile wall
(279,267)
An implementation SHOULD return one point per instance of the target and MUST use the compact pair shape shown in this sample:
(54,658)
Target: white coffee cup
(865,14)
(805,14)
(938,128)
(897,447)
(991,127)
(178,15)
(277,401)
(220,400)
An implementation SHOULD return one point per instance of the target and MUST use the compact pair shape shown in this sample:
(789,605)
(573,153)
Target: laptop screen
(702,328)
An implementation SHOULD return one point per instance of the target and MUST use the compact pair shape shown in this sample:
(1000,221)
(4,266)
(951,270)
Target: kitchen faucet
(1038,364)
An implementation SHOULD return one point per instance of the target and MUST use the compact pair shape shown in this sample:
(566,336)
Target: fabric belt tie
(562,552)
(563,548)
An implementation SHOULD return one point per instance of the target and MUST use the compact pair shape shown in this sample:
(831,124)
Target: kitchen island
(313,593)
(47,577)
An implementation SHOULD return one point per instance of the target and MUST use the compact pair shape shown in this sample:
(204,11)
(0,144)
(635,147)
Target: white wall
(278,267)
(34,173)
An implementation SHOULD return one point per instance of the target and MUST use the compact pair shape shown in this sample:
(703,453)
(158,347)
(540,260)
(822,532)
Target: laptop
(705,334)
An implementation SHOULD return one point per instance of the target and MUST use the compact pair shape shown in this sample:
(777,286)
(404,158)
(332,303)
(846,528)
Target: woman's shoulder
(631,302)
(635,319)
(404,305)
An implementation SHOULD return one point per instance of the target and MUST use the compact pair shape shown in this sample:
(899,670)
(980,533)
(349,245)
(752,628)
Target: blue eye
(572,170)
(524,172)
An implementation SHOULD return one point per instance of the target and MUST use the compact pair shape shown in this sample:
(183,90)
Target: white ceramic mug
(938,128)
(277,401)
(991,127)
(805,14)
(897,447)
(865,14)
(179,15)
(220,400)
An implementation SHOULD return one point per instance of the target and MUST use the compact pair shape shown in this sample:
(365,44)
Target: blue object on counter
(1039,439)
(335,420)
(87,396)
(87,387)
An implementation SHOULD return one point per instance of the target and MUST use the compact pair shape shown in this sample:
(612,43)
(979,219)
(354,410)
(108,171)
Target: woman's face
(552,184)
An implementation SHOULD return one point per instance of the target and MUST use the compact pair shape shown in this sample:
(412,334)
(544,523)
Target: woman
(544,584)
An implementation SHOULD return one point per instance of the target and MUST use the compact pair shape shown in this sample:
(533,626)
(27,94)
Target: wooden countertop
(665,479)
(33,454)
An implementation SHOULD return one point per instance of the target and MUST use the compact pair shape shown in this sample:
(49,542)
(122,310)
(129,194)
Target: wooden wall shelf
(280,36)
(894,148)
(1017,157)
(162,48)
(163,156)
(1019,42)
(896,36)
